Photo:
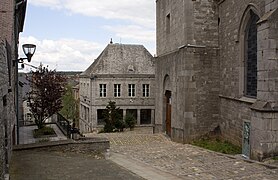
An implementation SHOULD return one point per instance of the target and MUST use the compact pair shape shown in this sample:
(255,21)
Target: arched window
(251,56)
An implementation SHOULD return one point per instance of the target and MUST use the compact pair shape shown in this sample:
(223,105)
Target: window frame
(131,90)
(117,90)
(146,90)
(102,90)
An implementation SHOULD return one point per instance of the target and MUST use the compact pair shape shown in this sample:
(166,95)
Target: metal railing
(64,125)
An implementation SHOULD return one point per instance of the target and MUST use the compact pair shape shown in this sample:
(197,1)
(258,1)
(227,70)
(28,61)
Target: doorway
(168,112)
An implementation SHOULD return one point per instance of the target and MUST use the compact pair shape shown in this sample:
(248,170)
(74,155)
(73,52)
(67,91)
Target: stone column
(152,117)
(124,113)
(138,117)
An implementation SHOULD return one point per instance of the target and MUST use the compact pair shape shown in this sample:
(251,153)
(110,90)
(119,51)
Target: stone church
(217,71)
(122,73)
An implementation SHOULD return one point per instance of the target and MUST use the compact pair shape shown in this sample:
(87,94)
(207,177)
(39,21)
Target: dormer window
(130,68)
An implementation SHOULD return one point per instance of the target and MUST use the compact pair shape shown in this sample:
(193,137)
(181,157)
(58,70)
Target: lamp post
(29,50)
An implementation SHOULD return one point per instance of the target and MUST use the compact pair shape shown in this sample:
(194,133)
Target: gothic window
(131,90)
(251,56)
(102,90)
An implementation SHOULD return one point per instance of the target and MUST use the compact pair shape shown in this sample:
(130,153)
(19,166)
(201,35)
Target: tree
(44,99)
(130,120)
(113,118)
(70,105)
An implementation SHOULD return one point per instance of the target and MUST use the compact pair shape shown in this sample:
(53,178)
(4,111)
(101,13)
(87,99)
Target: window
(145,115)
(100,116)
(251,56)
(146,90)
(131,90)
(102,90)
(117,90)
(168,20)
(133,112)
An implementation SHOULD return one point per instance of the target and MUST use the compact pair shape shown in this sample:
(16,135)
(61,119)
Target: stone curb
(84,145)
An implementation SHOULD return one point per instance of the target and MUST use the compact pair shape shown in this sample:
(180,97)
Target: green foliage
(217,145)
(130,120)
(45,97)
(45,131)
(113,118)
(70,108)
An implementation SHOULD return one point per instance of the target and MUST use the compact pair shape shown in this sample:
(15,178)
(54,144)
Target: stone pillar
(152,116)
(264,116)
(263,136)
(138,117)
(124,113)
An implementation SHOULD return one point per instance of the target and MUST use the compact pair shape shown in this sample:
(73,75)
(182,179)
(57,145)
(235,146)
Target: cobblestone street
(184,161)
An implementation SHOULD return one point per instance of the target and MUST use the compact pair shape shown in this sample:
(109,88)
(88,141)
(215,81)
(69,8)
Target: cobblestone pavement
(185,161)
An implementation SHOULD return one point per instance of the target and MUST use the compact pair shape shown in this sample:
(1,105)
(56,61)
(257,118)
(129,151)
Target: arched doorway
(168,112)
(167,105)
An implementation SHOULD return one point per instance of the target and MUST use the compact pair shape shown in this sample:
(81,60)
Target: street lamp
(29,50)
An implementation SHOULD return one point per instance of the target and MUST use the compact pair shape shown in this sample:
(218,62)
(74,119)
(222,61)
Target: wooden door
(168,112)
(168,119)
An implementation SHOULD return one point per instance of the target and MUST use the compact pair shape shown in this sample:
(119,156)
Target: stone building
(124,74)
(12,15)
(216,71)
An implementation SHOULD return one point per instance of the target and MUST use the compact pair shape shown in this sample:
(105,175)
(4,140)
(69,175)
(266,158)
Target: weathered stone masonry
(188,56)
(194,96)
(11,23)
(202,52)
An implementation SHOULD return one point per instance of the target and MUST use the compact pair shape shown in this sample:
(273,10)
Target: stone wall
(233,112)
(193,81)
(3,92)
(190,22)
(201,48)
(6,19)
(231,60)
(234,107)
(8,52)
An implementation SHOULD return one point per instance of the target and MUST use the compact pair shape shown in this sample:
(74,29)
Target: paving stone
(183,160)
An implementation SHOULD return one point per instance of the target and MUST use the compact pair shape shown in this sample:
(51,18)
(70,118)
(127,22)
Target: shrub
(130,120)
(113,118)
(45,131)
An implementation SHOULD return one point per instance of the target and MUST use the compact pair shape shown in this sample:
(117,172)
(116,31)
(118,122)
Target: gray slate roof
(122,59)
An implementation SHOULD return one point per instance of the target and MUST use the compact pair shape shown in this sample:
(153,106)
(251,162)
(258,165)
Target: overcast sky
(70,34)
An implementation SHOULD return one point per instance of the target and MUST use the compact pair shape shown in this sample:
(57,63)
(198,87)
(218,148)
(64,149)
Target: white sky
(70,34)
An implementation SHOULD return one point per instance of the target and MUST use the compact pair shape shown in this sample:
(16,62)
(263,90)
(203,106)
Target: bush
(45,131)
(113,118)
(130,121)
